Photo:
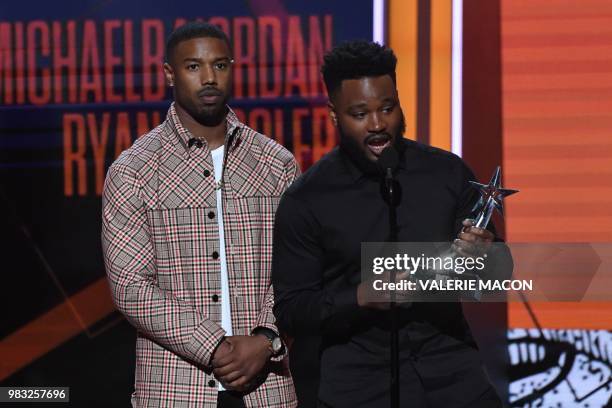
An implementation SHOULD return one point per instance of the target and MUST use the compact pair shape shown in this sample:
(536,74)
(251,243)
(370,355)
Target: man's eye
(359,115)
(388,109)
(221,66)
(192,67)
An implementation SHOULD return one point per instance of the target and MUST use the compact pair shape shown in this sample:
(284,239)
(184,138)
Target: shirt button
(215,298)
(206,173)
(211,215)
(215,255)
(211,383)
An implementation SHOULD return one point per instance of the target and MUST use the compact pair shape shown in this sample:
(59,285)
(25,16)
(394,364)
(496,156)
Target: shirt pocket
(186,244)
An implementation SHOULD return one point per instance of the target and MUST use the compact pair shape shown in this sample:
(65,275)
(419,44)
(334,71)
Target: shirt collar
(356,174)
(353,171)
(233,123)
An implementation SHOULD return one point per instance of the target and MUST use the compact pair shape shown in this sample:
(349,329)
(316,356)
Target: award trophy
(491,197)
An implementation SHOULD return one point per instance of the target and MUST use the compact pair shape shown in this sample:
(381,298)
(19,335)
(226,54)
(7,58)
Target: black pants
(488,399)
(229,400)
(454,379)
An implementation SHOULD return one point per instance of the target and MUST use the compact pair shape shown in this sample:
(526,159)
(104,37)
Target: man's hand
(473,241)
(246,357)
(222,350)
(366,293)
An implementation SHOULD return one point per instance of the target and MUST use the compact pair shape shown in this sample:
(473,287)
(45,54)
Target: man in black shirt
(336,205)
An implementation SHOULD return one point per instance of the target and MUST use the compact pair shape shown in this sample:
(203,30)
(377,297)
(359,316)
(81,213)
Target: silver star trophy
(491,197)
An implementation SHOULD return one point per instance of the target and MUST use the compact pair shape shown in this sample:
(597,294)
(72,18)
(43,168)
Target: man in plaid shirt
(188,212)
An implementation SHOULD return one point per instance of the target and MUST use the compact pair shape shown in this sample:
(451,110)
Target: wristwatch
(276,344)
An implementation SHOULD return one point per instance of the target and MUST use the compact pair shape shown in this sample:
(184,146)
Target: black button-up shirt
(320,224)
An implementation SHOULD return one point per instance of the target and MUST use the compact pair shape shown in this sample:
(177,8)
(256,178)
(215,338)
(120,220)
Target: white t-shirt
(226,313)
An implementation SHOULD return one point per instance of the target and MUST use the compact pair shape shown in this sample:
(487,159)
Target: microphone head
(388,159)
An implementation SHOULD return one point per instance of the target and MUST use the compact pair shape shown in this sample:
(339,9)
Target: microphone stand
(393,237)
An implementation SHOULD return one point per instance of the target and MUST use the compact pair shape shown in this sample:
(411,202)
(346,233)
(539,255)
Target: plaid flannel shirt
(161,241)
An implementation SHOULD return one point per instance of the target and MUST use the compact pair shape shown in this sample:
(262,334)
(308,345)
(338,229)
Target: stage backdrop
(557,98)
(79,81)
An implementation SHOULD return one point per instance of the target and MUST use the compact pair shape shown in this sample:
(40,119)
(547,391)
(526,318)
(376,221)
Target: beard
(206,115)
(211,115)
(356,153)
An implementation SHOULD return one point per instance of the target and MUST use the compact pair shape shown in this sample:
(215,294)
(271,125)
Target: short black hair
(194,29)
(354,60)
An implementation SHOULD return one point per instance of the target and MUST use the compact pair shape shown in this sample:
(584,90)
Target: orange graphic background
(557,141)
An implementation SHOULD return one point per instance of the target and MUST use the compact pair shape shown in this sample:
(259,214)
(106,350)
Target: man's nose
(208,75)
(376,123)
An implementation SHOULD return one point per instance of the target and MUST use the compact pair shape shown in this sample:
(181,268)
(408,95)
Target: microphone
(387,163)
(388,159)
(391,190)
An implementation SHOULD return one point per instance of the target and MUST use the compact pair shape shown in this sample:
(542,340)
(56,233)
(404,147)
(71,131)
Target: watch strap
(271,335)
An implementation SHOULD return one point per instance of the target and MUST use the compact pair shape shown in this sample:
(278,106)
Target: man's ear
(169,74)
(332,113)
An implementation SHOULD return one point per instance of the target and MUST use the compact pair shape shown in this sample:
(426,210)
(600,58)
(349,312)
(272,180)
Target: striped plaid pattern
(161,240)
